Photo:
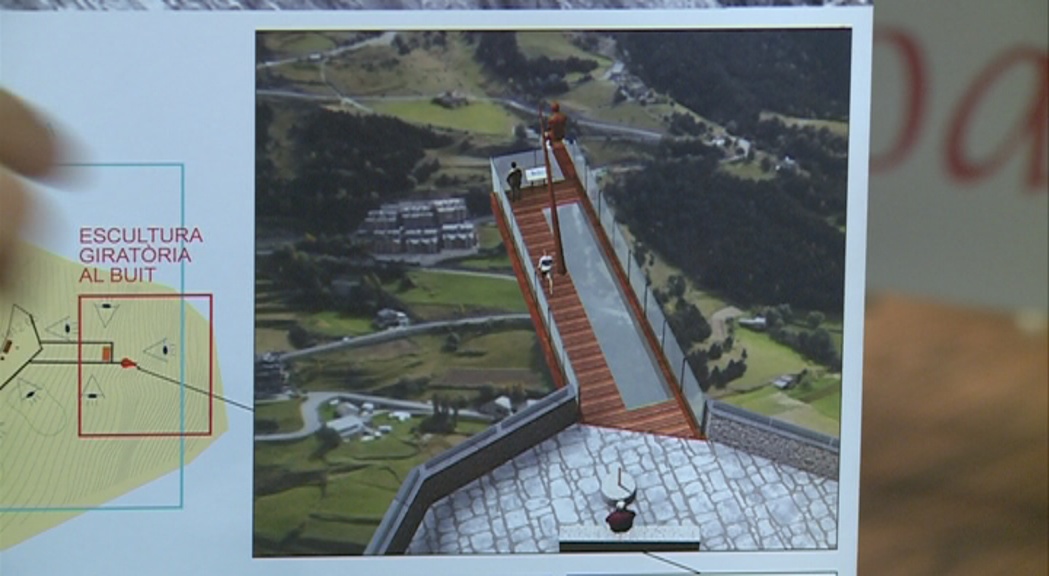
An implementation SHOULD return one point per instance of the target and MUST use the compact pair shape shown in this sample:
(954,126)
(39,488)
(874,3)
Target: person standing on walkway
(514,180)
(546,269)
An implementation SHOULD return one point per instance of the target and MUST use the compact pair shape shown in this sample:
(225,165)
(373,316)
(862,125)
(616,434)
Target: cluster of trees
(682,124)
(445,415)
(342,165)
(750,240)
(332,245)
(685,319)
(327,440)
(716,377)
(812,341)
(306,282)
(405,43)
(822,155)
(732,75)
(517,393)
(499,53)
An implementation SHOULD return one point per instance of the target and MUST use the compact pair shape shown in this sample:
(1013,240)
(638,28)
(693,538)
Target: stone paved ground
(740,502)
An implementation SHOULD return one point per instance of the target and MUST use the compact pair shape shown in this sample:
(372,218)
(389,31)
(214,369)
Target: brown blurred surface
(955,443)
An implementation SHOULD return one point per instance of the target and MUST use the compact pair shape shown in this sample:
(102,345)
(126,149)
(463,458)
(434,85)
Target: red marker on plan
(127,363)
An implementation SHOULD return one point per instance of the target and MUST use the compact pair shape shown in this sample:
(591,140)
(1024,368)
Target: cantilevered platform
(601,400)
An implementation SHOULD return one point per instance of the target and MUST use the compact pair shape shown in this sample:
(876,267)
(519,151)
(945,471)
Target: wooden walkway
(600,399)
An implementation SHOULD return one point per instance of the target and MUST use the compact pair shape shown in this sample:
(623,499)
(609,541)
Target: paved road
(383,39)
(397,333)
(358,102)
(311,421)
(478,273)
(718,319)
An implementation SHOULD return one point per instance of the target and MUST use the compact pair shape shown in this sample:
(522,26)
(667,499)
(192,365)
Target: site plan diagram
(108,376)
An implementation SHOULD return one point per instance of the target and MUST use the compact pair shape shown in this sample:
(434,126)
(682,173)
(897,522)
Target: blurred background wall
(958,190)
(954,465)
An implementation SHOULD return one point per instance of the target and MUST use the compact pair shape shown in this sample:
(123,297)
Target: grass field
(331,323)
(487,263)
(556,45)
(372,368)
(823,394)
(380,70)
(454,292)
(479,116)
(766,359)
(343,502)
(489,235)
(286,414)
(748,170)
(772,402)
(602,151)
(833,126)
(274,319)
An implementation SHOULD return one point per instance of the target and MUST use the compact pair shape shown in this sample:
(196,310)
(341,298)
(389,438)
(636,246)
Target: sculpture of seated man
(621,519)
(557,125)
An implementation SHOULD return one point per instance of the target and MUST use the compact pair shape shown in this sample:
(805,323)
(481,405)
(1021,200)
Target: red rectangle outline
(211,366)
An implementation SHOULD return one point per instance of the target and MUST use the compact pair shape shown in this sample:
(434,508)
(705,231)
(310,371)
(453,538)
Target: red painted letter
(914,68)
(1032,123)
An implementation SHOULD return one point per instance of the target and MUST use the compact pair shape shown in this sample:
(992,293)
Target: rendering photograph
(549,291)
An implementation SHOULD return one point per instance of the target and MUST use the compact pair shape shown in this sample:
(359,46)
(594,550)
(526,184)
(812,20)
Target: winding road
(311,420)
(360,103)
(384,39)
(397,333)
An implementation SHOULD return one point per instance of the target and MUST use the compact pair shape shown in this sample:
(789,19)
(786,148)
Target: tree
(676,286)
(486,393)
(688,324)
(815,318)
(451,342)
(327,440)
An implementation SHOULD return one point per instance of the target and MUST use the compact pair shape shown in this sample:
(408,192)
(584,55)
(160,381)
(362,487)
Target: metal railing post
(629,261)
(681,381)
(663,337)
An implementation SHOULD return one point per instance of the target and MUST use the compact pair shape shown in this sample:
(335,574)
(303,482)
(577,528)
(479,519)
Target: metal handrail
(654,315)
(538,295)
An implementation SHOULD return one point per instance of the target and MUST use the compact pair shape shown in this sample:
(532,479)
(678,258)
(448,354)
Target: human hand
(27,149)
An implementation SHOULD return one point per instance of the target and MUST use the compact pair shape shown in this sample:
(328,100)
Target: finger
(26,144)
(14,208)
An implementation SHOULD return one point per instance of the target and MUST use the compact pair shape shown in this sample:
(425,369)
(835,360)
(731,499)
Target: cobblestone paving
(739,502)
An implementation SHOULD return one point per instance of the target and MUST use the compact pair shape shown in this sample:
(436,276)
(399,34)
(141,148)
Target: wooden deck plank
(602,404)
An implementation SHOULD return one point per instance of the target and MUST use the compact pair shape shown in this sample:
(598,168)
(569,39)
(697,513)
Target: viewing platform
(624,382)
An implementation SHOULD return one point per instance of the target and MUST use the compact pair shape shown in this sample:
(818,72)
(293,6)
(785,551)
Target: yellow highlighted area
(102,386)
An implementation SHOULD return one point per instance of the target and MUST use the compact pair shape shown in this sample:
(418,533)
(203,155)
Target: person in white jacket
(546,269)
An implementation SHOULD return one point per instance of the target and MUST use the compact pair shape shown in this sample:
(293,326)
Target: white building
(347,426)
(501,406)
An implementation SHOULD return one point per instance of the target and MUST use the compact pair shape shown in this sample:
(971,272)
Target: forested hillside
(342,166)
(731,76)
(751,240)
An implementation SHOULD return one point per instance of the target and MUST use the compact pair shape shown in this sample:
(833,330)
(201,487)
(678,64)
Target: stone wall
(773,439)
(477,456)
